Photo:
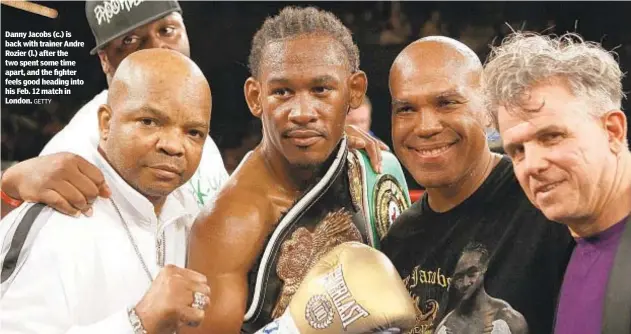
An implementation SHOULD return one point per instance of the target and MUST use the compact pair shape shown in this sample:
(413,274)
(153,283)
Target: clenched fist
(169,303)
(64,181)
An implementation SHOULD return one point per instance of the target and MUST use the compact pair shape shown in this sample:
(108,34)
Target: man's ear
(105,119)
(484,114)
(358,85)
(105,62)
(252,91)
(615,124)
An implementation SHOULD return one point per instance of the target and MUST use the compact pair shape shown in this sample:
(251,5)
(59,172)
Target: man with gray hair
(472,197)
(557,101)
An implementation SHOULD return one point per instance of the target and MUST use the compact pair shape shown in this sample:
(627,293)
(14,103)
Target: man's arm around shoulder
(223,245)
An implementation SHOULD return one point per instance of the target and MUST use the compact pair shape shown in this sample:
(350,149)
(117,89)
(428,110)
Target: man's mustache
(178,164)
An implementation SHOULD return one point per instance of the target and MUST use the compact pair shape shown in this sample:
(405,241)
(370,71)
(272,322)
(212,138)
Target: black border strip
(17,242)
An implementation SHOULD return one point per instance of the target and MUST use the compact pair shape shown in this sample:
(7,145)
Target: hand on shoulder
(64,181)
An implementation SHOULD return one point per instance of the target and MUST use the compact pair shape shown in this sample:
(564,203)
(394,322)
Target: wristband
(10,200)
(135,322)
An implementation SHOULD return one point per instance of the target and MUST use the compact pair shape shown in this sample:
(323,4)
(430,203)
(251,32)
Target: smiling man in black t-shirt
(472,198)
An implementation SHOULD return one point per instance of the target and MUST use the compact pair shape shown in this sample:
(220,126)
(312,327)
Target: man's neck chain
(160,245)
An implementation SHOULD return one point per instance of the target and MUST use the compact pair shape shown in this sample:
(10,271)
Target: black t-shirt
(493,264)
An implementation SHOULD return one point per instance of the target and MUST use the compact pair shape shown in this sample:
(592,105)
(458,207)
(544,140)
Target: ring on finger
(199,301)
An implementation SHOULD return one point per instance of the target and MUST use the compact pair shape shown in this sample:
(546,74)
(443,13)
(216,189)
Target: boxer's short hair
(294,22)
(474,247)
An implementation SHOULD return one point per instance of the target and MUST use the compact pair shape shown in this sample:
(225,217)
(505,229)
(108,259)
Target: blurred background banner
(220,34)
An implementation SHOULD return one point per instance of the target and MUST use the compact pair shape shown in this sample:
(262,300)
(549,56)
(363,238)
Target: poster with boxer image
(459,303)
(476,310)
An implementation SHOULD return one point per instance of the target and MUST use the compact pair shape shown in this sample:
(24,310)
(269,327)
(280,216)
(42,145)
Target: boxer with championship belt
(328,214)
(301,192)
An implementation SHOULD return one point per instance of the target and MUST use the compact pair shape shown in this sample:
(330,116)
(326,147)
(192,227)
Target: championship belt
(380,197)
(337,209)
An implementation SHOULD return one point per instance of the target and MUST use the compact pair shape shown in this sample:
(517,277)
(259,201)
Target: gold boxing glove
(352,289)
